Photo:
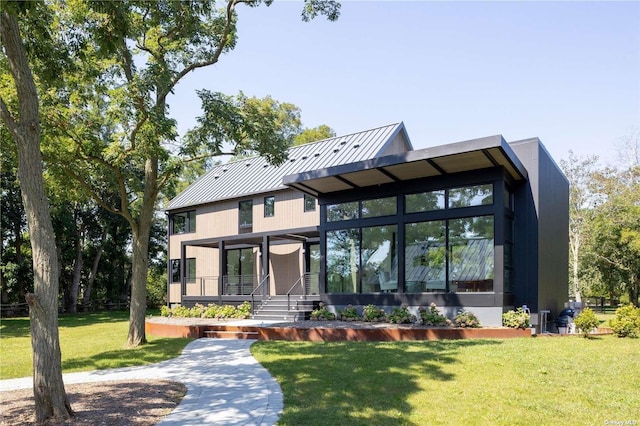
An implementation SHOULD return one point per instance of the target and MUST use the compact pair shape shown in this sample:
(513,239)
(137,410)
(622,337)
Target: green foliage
(156,288)
(466,319)
(626,322)
(322,313)
(314,134)
(516,319)
(586,321)
(212,310)
(350,313)
(371,313)
(401,315)
(433,317)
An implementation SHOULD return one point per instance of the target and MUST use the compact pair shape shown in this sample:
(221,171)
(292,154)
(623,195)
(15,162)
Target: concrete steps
(231,332)
(276,308)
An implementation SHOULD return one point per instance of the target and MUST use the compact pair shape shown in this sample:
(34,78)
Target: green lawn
(528,381)
(92,341)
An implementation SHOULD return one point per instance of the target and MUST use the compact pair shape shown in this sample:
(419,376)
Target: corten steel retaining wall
(326,334)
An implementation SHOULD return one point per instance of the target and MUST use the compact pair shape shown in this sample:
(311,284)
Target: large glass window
(379,257)
(190,274)
(342,211)
(269,206)
(184,222)
(426,257)
(471,251)
(379,207)
(245,216)
(343,261)
(424,201)
(469,196)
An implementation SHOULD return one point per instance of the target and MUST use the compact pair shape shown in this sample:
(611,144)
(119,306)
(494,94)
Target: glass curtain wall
(445,248)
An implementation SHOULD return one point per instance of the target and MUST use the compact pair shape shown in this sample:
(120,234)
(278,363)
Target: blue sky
(566,72)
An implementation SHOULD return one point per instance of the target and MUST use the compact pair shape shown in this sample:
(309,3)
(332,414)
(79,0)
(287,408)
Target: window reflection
(425,257)
(471,254)
(469,196)
(425,201)
(343,251)
(380,259)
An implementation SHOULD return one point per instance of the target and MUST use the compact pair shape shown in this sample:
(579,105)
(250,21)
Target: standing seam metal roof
(255,175)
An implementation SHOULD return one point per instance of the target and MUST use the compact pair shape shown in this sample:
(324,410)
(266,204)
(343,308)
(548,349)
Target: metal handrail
(265,280)
(301,281)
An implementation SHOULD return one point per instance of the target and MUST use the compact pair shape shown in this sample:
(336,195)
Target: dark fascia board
(481,144)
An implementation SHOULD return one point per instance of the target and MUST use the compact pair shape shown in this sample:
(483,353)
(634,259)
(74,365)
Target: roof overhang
(476,154)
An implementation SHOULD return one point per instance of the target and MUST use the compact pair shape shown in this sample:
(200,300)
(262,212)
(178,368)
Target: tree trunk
(77,270)
(140,258)
(49,394)
(86,298)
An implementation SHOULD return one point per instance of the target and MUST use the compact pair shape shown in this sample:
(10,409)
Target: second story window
(184,222)
(309,203)
(245,216)
(269,206)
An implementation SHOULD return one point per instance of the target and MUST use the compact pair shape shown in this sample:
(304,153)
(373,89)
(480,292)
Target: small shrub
(348,314)
(401,315)
(432,316)
(164,311)
(371,313)
(322,314)
(516,319)
(586,321)
(243,311)
(626,322)
(466,319)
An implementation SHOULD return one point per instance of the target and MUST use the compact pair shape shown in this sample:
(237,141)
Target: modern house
(366,219)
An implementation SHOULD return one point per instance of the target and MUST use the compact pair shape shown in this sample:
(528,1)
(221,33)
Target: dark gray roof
(255,175)
(492,151)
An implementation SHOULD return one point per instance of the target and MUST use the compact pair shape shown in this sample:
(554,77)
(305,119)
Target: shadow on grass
(154,351)
(19,327)
(366,383)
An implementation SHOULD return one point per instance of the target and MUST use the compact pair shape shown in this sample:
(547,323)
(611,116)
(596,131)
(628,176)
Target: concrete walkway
(225,384)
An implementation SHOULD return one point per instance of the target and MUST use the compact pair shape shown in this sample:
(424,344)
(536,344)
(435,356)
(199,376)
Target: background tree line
(604,227)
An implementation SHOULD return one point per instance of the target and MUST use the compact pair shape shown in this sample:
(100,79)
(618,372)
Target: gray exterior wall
(541,232)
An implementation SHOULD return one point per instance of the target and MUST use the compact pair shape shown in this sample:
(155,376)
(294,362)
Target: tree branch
(216,55)
(7,118)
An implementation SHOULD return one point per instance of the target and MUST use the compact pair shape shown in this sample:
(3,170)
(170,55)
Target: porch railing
(238,284)
(305,285)
(260,292)
(205,286)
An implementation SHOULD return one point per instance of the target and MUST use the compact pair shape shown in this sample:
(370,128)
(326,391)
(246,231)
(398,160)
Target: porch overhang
(477,154)
(256,238)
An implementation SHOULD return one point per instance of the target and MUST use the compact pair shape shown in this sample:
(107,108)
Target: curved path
(225,384)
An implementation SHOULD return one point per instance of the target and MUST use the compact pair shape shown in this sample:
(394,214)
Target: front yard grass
(92,341)
(527,381)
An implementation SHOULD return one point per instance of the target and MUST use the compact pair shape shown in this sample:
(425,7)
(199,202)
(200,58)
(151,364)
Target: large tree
(114,115)
(23,123)
(580,172)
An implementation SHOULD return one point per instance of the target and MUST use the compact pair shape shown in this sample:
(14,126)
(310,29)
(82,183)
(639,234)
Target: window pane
(468,196)
(269,206)
(425,201)
(380,259)
(191,218)
(179,223)
(425,257)
(471,254)
(184,222)
(343,249)
(245,211)
(342,211)
(379,207)
(191,270)
(309,203)
(175,270)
